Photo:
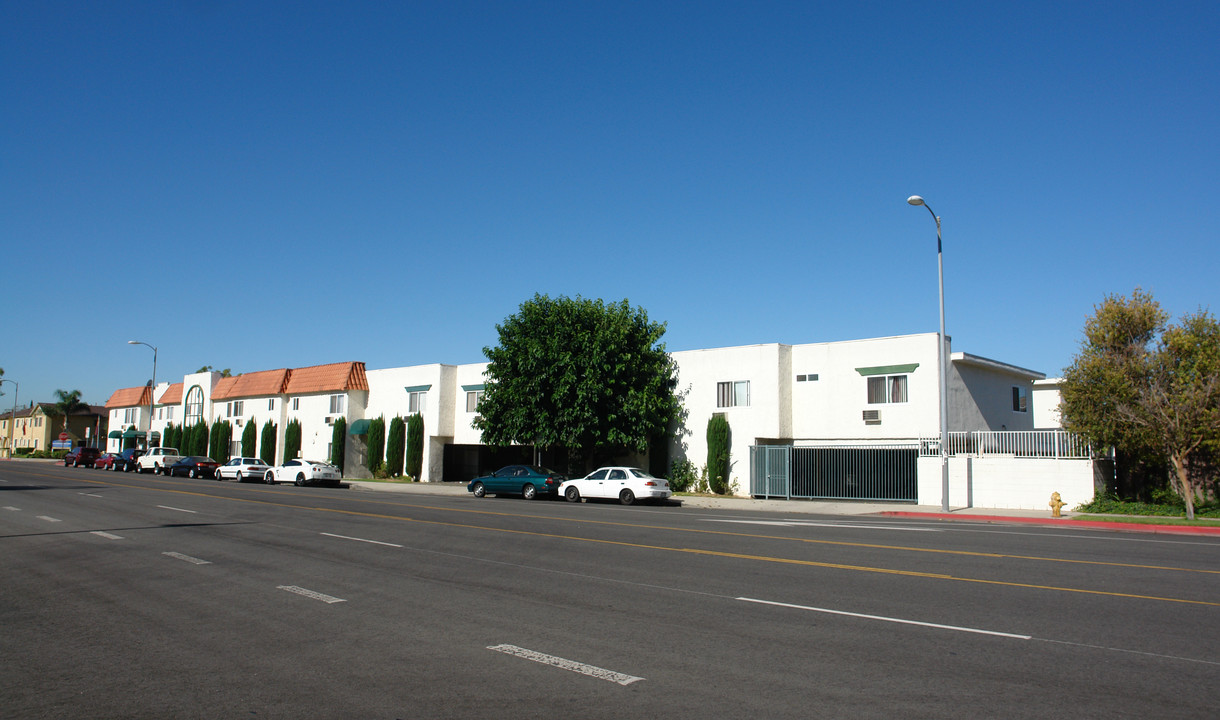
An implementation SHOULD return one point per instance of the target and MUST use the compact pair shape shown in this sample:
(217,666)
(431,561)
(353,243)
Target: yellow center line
(692,551)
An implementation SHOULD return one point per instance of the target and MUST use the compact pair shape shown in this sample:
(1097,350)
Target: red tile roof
(263,383)
(172,395)
(129,397)
(335,377)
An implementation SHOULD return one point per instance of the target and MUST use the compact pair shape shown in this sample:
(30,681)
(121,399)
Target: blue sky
(256,185)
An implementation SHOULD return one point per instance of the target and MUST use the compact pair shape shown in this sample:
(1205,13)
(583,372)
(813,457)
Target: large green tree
(338,443)
(66,403)
(266,449)
(1148,388)
(249,440)
(584,375)
(415,447)
(292,439)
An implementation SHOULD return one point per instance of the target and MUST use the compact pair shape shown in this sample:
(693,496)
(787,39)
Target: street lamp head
(133,342)
(915,200)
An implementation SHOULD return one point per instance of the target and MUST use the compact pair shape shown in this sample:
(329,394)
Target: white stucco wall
(388,398)
(1046,398)
(1006,482)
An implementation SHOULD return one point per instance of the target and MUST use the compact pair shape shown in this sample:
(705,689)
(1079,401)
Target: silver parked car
(242,469)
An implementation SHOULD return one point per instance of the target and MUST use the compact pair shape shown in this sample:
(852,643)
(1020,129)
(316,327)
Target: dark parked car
(81,456)
(108,461)
(127,459)
(527,481)
(193,466)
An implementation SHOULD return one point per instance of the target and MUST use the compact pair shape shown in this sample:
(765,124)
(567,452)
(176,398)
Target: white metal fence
(1056,444)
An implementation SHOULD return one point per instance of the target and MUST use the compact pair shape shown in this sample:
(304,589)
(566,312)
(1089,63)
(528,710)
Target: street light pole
(152,389)
(12,420)
(942,362)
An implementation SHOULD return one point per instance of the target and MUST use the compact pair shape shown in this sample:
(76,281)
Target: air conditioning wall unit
(872,417)
(330,420)
(238,422)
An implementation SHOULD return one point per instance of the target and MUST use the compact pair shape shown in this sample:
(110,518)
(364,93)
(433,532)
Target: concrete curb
(1063,522)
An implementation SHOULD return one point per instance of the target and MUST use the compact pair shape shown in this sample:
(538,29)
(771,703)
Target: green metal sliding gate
(878,472)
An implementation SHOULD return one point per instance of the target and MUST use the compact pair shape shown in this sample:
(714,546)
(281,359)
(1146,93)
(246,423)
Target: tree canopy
(1148,388)
(579,374)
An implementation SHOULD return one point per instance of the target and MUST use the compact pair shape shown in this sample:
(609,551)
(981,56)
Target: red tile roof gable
(129,397)
(335,377)
(263,383)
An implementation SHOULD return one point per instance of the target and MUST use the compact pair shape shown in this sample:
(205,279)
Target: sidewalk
(814,507)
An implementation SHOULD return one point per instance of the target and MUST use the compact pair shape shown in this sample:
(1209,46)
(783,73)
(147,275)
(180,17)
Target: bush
(338,444)
(249,440)
(222,435)
(292,439)
(267,443)
(682,475)
(1166,504)
(718,444)
(395,447)
(415,446)
(376,443)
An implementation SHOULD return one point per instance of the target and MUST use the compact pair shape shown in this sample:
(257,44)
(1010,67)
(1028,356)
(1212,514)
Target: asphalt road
(140,596)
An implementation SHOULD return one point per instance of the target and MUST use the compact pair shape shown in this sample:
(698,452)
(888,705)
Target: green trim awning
(132,433)
(418,388)
(472,388)
(114,434)
(887,369)
(359,427)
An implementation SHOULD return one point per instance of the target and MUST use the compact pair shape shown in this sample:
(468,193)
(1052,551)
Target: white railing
(1058,444)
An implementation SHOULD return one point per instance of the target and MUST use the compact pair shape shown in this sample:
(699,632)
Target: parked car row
(626,484)
(241,469)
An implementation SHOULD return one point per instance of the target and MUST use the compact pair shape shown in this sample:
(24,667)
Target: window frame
(882,389)
(729,393)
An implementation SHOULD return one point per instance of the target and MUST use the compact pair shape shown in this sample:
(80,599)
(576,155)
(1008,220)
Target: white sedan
(628,484)
(242,469)
(303,472)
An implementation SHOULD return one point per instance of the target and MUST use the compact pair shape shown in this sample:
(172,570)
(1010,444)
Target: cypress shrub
(267,443)
(395,447)
(199,439)
(249,438)
(718,439)
(415,446)
(338,443)
(376,443)
(292,439)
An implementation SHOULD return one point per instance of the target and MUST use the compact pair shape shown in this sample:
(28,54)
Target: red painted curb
(1063,522)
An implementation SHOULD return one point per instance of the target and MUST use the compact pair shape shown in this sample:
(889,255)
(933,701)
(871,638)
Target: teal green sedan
(528,481)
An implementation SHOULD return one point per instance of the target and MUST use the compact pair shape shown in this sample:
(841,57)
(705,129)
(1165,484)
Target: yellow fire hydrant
(1055,504)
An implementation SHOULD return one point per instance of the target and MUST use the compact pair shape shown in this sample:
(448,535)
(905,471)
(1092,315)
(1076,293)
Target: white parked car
(242,469)
(303,472)
(628,484)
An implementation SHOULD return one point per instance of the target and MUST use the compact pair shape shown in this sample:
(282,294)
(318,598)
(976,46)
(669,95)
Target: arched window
(194,406)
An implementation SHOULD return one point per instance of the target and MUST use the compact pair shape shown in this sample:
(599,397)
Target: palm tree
(69,402)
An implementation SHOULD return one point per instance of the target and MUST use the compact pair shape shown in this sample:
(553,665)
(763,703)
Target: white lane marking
(888,619)
(48,518)
(10,508)
(809,523)
(564,664)
(310,594)
(109,536)
(187,558)
(90,494)
(167,507)
(375,542)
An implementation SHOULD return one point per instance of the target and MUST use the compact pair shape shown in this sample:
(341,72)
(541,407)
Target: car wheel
(239,476)
(269,478)
(300,479)
(157,470)
(529,492)
(572,494)
(479,490)
(192,474)
(76,463)
(626,497)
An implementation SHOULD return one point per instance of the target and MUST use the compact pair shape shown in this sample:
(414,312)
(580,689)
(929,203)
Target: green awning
(359,427)
(132,433)
(888,369)
(115,434)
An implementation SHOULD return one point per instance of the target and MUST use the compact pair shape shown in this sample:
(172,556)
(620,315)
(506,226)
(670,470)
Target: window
(417,402)
(234,409)
(807,378)
(169,413)
(887,389)
(733,394)
(296,403)
(271,404)
(194,405)
(336,404)
(129,416)
(473,398)
(1020,400)
(160,413)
